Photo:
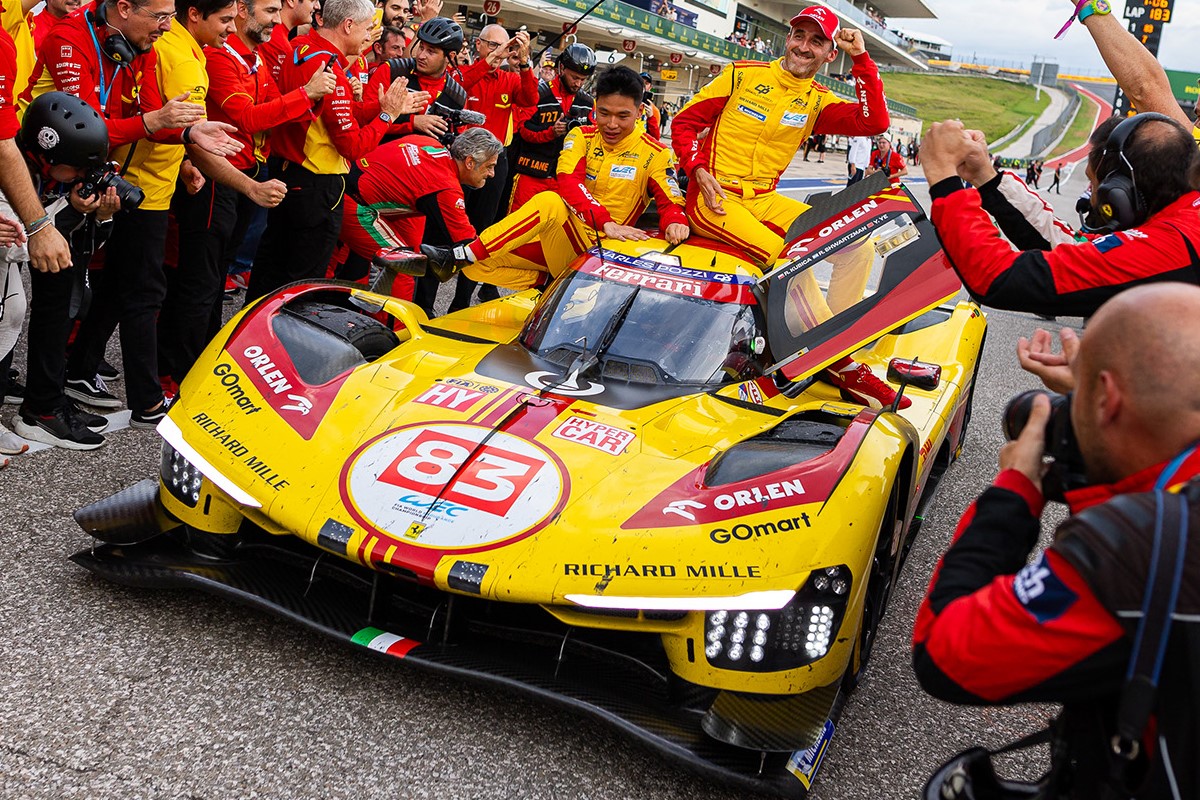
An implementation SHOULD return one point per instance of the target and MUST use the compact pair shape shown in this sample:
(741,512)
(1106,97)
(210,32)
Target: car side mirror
(910,372)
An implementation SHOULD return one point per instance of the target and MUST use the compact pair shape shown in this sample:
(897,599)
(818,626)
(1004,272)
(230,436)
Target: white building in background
(683,42)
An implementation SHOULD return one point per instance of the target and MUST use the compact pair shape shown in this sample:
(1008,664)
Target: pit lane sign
(570,29)
(668,74)
(491,7)
(714,69)
(676,58)
(629,45)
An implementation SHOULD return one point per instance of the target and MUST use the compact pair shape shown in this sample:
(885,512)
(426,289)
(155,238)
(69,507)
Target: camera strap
(1163,580)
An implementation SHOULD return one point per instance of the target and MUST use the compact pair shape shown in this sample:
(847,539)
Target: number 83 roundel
(427,474)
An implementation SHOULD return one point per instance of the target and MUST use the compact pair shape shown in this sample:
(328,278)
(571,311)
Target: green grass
(1078,131)
(987,104)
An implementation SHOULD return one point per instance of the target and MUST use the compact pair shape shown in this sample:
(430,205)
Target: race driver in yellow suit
(607,175)
(757,116)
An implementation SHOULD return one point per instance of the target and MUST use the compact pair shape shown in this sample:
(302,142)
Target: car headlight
(797,634)
(180,476)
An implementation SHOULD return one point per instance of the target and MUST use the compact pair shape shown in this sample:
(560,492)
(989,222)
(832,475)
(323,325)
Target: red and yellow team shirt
(325,141)
(8,69)
(760,114)
(12,18)
(154,166)
(615,183)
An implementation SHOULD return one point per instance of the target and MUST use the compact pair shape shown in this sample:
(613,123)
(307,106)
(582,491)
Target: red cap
(825,19)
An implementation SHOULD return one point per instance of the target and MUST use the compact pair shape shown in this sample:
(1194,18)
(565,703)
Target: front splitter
(340,608)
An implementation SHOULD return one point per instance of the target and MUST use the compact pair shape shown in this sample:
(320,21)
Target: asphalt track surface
(108,692)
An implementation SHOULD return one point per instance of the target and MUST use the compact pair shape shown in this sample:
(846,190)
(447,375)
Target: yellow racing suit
(597,183)
(758,116)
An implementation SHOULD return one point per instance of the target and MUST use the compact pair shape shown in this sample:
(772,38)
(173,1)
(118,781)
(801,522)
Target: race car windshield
(662,338)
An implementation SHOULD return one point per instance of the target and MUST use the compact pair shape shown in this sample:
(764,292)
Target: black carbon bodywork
(620,678)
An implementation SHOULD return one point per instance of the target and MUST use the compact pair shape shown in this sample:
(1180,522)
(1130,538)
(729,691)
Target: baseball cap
(824,18)
(646,77)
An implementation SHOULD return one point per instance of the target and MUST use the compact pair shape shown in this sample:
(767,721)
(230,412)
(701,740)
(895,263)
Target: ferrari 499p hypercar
(632,493)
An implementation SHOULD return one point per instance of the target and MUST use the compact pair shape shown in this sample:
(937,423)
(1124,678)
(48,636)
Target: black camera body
(1066,472)
(97,180)
(456,119)
(576,122)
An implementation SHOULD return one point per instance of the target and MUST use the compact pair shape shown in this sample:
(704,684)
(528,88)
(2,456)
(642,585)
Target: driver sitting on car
(607,174)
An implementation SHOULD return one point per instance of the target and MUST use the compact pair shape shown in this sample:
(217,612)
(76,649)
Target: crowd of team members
(356,133)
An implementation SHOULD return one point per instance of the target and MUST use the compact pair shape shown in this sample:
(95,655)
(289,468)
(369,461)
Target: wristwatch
(386,117)
(1094,7)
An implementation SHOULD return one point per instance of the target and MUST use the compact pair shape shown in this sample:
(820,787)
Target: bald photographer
(1105,620)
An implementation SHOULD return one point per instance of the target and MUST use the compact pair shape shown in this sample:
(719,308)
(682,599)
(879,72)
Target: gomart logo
(436,486)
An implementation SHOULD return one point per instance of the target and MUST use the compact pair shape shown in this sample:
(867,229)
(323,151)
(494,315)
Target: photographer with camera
(65,144)
(607,174)
(998,628)
(1143,173)
(437,44)
(411,192)
(562,106)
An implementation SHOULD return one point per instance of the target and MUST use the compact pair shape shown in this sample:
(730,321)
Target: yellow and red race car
(632,493)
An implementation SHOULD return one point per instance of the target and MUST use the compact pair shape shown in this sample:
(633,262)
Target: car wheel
(879,590)
(368,335)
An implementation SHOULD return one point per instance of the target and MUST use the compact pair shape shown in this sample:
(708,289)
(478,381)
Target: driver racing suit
(597,183)
(759,115)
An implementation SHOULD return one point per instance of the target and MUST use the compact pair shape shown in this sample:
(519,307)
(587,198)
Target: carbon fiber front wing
(577,668)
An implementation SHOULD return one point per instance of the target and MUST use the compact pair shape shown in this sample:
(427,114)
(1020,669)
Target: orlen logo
(501,488)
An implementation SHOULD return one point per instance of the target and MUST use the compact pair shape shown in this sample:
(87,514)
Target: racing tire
(368,335)
(879,591)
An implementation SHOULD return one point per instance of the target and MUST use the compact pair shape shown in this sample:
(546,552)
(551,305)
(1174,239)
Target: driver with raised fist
(758,115)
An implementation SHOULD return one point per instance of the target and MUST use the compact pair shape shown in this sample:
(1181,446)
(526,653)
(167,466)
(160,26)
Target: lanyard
(104,90)
(249,68)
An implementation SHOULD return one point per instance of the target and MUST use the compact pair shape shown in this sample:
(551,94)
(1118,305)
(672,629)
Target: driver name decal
(443,486)
(594,434)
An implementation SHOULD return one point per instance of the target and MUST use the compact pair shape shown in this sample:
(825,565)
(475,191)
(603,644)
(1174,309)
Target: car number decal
(435,486)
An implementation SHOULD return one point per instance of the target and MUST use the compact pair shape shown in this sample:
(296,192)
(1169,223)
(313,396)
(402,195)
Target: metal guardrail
(846,90)
(1043,139)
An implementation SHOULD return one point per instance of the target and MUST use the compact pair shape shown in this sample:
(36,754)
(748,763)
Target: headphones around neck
(118,49)
(1119,204)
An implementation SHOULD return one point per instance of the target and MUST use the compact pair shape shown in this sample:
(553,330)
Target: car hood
(432,464)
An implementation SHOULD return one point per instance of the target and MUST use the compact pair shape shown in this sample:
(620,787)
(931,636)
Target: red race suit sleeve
(866,117)
(996,628)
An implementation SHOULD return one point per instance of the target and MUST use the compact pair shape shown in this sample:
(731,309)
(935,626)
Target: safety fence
(1044,139)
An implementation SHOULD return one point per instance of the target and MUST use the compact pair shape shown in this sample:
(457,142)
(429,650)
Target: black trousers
(50,326)
(131,293)
(483,209)
(191,314)
(302,231)
(247,212)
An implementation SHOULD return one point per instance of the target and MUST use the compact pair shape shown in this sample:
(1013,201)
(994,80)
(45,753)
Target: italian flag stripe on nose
(384,642)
